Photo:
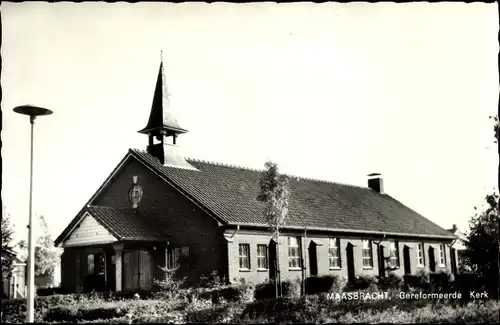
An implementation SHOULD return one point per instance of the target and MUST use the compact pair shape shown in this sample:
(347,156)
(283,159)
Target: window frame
(91,271)
(331,257)
(369,258)
(240,257)
(442,251)
(298,257)
(394,250)
(264,258)
(421,252)
(174,254)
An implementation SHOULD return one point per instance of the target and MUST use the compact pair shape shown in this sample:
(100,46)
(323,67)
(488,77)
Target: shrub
(213,280)
(41,292)
(390,282)
(466,283)
(326,283)
(420,280)
(292,288)
(232,293)
(364,282)
(440,281)
(267,290)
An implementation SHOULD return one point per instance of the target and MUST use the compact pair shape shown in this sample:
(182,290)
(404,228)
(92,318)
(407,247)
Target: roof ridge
(324,181)
(218,163)
(108,207)
(291,176)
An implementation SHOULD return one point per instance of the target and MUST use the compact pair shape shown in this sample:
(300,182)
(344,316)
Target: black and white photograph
(250,163)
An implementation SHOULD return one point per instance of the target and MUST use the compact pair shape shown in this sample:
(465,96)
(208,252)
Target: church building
(158,209)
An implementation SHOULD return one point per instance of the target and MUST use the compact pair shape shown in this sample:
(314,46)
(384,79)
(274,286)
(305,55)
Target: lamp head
(32,111)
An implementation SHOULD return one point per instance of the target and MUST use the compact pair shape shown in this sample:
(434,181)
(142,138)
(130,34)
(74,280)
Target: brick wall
(261,237)
(185,223)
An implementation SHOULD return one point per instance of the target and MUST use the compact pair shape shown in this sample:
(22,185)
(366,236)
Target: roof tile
(230,192)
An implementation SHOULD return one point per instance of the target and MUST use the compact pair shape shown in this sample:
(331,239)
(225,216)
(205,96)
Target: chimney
(376,182)
(454,228)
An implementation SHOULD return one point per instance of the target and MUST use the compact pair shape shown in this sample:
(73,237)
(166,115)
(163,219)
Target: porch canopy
(112,249)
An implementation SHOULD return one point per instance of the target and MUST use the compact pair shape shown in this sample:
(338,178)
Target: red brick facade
(187,224)
(260,237)
(213,248)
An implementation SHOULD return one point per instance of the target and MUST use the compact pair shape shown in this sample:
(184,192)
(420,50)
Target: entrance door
(453,255)
(313,259)
(95,278)
(137,270)
(432,259)
(273,267)
(406,260)
(350,263)
(381,261)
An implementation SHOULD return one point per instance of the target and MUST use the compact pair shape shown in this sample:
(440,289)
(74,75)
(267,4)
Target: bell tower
(162,128)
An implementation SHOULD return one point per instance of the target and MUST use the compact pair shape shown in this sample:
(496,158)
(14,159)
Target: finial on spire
(161,55)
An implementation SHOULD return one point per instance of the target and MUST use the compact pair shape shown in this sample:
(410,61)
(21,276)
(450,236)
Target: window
(174,254)
(100,263)
(294,260)
(96,263)
(172,258)
(90,264)
(442,258)
(420,255)
(393,254)
(262,257)
(334,253)
(244,257)
(367,254)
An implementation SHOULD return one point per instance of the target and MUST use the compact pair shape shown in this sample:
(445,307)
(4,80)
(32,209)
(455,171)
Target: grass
(236,304)
(313,309)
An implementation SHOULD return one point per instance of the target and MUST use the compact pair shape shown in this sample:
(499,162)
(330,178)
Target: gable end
(89,231)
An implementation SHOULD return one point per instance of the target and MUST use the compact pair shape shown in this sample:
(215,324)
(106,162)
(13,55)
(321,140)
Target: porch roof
(126,224)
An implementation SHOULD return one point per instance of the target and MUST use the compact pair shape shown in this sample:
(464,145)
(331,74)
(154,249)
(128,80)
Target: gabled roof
(230,192)
(123,224)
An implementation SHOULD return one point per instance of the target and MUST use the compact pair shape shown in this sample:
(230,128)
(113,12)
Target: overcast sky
(330,91)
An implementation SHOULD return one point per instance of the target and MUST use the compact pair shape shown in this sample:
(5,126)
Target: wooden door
(313,259)
(145,270)
(130,270)
(381,261)
(137,270)
(406,260)
(432,259)
(453,256)
(351,273)
(273,267)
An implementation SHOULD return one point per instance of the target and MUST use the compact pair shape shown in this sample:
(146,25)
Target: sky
(328,91)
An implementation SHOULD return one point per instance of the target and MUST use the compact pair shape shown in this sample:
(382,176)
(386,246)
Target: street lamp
(33,112)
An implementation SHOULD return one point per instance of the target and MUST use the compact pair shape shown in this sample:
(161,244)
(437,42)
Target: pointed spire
(163,127)
(161,117)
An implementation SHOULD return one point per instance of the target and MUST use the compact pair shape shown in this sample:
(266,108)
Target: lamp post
(32,112)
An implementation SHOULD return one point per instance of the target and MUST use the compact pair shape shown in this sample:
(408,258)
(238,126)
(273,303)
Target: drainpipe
(378,252)
(304,263)
(235,232)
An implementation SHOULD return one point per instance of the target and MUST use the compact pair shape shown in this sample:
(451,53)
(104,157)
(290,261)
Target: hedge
(267,289)
(326,283)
